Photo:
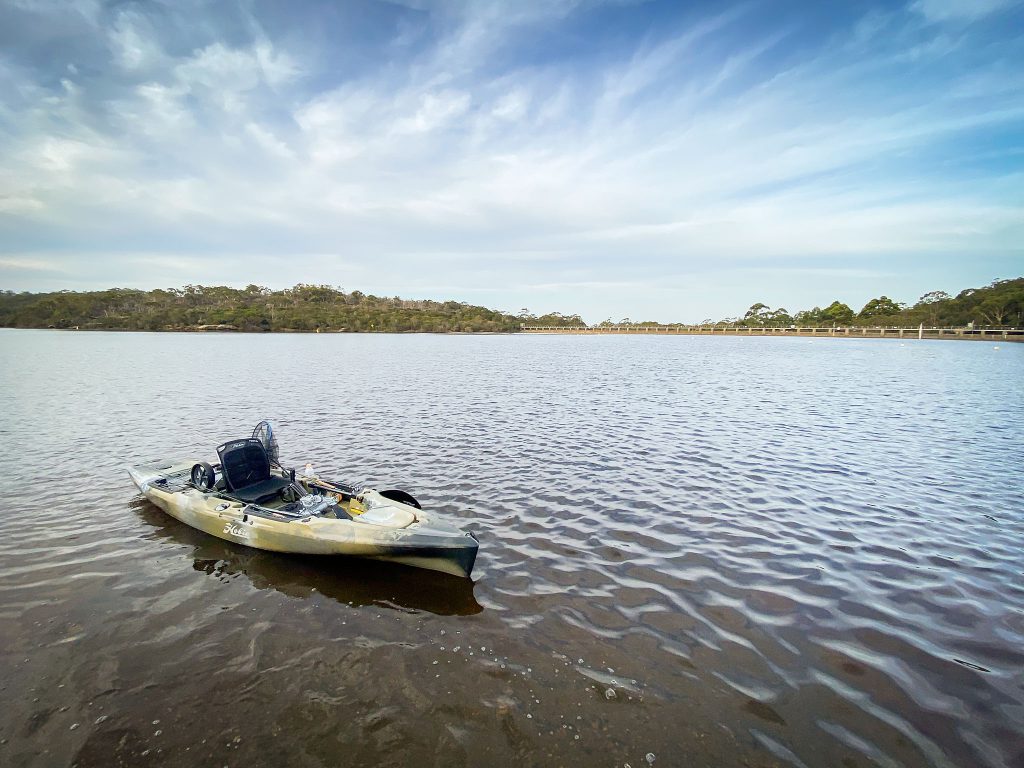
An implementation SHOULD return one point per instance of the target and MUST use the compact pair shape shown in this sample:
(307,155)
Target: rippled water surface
(701,551)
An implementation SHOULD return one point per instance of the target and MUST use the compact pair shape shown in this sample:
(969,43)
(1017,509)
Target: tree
(757,314)
(995,309)
(837,313)
(930,306)
(883,306)
(932,297)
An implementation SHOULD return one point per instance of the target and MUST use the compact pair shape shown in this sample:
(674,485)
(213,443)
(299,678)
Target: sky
(664,161)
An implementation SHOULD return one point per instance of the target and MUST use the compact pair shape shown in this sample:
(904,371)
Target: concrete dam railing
(962,334)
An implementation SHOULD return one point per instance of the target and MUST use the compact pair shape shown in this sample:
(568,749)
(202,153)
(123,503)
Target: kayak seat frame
(245,468)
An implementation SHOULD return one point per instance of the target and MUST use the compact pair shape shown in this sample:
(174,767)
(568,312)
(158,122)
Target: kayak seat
(262,492)
(245,468)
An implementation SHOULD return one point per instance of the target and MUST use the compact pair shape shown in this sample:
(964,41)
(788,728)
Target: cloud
(28,265)
(946,10)
(435,110)
(132,43)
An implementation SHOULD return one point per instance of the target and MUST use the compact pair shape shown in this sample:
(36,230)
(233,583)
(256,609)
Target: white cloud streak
(946,10)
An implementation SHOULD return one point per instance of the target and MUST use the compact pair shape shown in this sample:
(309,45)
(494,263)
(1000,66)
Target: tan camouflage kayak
(260,504)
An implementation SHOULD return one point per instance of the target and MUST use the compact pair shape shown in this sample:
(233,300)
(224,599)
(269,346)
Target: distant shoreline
(851,332)
(1010,335)
(240,331)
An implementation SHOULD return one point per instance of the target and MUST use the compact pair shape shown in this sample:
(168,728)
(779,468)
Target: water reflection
(347,580)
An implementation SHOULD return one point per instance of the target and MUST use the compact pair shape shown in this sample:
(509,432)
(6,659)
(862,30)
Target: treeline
(999,304)
(326,308)
(255,308)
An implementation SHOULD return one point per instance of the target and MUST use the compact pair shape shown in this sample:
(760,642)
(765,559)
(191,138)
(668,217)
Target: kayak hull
(429,542)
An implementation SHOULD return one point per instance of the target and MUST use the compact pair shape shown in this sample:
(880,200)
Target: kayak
(250,499)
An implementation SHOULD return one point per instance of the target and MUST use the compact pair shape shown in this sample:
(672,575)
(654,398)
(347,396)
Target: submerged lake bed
(693,551)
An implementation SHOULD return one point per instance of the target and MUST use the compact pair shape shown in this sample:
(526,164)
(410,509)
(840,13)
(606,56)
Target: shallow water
(712,551)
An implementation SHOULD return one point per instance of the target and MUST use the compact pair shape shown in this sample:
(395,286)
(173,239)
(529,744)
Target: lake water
(701,551)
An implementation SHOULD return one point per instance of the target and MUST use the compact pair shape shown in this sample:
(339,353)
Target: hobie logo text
(235,529)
